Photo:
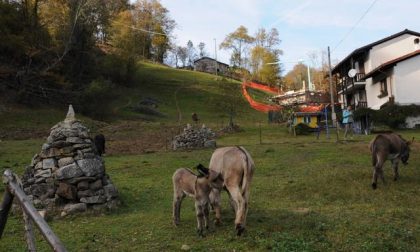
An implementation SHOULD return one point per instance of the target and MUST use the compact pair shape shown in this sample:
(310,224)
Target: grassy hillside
(179,92)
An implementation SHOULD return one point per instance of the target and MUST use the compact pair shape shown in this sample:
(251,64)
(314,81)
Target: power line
(140,29)
(354,26)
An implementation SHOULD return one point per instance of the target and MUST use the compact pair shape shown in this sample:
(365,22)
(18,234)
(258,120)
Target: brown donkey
(232,168)
(185,183)
(388,147)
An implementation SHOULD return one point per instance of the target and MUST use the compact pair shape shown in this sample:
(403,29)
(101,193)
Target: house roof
(391,63)
(366,48)
(210,59)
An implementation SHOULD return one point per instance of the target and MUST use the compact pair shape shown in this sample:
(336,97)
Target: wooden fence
(30,214)
(33,88)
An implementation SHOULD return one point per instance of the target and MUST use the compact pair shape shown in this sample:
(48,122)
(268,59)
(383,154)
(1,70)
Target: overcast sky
(304,26)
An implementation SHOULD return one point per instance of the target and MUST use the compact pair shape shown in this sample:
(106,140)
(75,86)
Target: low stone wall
(192,138)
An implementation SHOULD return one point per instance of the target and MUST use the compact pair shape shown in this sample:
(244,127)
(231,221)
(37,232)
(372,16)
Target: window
(384,89)
(307,119)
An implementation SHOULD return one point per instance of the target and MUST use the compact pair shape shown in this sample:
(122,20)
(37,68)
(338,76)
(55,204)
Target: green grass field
(307,194)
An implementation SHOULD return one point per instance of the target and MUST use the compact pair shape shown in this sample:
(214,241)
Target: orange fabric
(257,105)
(262,87)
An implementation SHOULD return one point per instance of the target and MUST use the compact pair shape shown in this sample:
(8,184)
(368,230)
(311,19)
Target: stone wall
(192,138)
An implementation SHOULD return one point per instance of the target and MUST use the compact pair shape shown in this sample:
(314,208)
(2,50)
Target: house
(209,65)
(301,97)
(387,70)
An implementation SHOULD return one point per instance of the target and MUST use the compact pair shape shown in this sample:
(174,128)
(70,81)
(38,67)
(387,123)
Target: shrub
(95,100)
(118,69)
(393,116)
(302,129)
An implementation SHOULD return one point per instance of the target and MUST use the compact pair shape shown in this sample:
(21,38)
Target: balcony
(361,104)
(347,85)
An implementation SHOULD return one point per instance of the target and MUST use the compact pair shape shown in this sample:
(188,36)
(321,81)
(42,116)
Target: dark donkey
(388,147)
(185,183)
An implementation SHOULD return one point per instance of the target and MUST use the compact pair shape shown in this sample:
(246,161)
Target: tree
(201,47)
(231,102)
(182,55)
(294,78)
(191,55)
(153,20)
(238,42)
(319,73)
(265,51)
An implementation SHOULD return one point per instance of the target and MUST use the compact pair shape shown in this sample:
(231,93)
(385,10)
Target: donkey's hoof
(373,186)
(200,233)
(239,229)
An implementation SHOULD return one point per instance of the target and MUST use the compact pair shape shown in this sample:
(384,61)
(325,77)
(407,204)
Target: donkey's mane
(188,169)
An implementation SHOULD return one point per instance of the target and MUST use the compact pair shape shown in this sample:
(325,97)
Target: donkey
(388,147)
(185,183)
(231,168)
(99,141)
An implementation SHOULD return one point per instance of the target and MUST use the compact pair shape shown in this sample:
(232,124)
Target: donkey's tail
(248,171)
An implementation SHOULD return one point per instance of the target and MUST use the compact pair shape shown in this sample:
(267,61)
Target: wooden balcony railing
(361,104)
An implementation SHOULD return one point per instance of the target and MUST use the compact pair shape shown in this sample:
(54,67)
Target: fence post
(29,232)
(14,188)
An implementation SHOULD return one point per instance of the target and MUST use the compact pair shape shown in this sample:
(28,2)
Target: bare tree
(201,47)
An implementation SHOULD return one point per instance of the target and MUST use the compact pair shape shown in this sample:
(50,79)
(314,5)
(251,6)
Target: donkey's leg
(240,211)
(206,215)
(377,170)
(395,168)
(246,198)
(215,202)
(199,211)
(232,202)
(178,197)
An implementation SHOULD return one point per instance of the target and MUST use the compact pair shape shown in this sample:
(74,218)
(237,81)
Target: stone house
(209,65)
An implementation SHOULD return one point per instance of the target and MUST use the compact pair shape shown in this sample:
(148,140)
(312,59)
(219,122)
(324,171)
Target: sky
(305,26)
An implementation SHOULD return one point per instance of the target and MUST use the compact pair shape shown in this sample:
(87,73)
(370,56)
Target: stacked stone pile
(192,138)
(68,174)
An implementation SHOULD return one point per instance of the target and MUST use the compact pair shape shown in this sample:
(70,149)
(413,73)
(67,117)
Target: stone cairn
(192,138)
(68,175)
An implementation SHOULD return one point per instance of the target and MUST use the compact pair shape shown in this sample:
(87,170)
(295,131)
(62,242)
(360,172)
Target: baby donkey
(197,186)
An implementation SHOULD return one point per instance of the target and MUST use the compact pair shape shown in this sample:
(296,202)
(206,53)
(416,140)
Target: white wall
(407,81)
(389,50)
(374,89)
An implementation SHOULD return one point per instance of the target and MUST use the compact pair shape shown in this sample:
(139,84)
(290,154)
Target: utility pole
(333,115)
(215,56)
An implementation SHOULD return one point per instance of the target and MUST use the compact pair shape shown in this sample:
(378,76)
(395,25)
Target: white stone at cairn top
(71,117)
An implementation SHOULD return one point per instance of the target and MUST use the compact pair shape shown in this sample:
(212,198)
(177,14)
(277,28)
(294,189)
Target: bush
(393,116)
(118,69)
(302,129)
(95,100)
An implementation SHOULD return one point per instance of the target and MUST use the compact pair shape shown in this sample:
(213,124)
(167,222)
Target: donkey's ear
(200,166)
(202,170)
(410,142)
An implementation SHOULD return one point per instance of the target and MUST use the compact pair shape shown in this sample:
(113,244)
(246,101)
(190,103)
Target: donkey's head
(405,153)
